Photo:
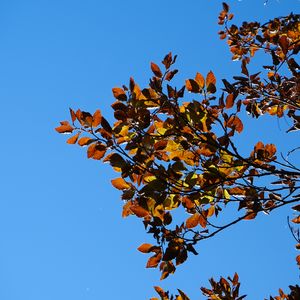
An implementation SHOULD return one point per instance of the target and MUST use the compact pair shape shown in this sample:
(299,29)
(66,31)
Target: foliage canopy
(174,154)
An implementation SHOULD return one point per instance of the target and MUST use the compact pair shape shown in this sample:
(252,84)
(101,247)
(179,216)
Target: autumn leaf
(156,70)
(145,248)
(192,86)
(73,139)
(154,260)
(229,101)
(96,151)
(120,184)
(84,141)
(200,80)
(210,78)
(96,118)
(192,221)
(119,94)
(296,220)
(64,127)
(73,115)
(139,211)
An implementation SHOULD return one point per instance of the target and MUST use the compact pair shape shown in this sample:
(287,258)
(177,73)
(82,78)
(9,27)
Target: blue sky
(61,231)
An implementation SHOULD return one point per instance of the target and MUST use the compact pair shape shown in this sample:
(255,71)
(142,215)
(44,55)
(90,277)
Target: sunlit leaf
(120,184)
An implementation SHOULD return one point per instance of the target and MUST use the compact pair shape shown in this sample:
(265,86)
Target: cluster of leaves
(174,154)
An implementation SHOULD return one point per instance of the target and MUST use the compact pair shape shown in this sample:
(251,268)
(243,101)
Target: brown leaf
(105,125)
(156,70)
(235,123)
(170,75)
(296,207)
(229,101)
(250,216)
(192,221)
(73,139)
(225,6)
(120,184)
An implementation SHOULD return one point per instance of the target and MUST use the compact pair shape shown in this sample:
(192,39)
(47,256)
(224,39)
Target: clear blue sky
(61,232)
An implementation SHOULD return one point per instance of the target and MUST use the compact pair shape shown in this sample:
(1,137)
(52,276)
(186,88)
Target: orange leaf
(73,139)
(154,260)
(145,248)
(235,123)
(298,260)
(192,86)
(229,101)
(126,209)
(139,211)
(156,70)
(192,221)
(296,220)
(96,151)
(96,118)
(65,127)
(120,184)
(119,94)
(73,115)
(210,78)
(200,80)
(85,141)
